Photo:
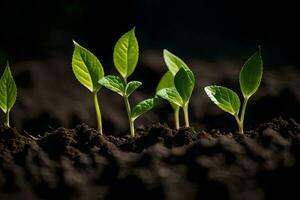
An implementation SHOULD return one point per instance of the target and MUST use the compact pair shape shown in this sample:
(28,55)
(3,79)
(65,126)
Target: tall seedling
(88,70)
(8,93)
(125,56)
(249,79)
(176,86)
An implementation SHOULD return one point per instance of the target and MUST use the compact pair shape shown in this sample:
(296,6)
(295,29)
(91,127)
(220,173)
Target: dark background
(39,33)
(207,29)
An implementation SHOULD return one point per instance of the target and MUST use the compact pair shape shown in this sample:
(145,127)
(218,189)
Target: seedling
(228,100)
(176,86)
(126,53)
(8,93)
(88,70)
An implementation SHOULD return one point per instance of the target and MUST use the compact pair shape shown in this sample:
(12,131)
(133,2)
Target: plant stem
(239,124)
(7,119)
(130,120)
(186,115)
(98,113)
(241,120)
(176,117)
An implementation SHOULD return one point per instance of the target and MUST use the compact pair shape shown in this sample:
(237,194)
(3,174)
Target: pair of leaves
(184,82)
(8,90)
(250,78)
(177,84)
(126,54)
(87,68)
(116,84)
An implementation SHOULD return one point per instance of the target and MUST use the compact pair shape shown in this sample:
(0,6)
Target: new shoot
(125,56)
(176,86)
(249,79)
(8,93)
(88,70)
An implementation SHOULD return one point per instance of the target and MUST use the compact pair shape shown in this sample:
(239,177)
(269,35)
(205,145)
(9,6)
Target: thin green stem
(176,117)
(186,115)
(98,113)
(241,123)
(7,119)
(130,120)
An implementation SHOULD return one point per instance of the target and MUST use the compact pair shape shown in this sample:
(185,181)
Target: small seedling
(126,53)
(176,86)
(8,93)
(228,100)
(88,70)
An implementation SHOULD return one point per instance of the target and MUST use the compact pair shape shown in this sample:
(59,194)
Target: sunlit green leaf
(8,90)
(126,54)
(87,68)
(224,98)
(251,74)
(173,62)
(113,83)
(131,87)
(144,106)
(171,95)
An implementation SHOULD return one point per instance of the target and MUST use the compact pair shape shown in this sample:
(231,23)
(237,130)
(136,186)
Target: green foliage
(179,81)
(171,95)
(8,92)
(126,54)
(228,100)
(185,83)
(113,83)
(144,106)
(131,87)
(167,81)
(224,98)
(87,68)
(251,75)
(173,62)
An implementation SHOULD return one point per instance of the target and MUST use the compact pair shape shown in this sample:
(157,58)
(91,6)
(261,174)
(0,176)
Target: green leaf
(144,106)
(126,54)
(8,90)
(184,82)
(87,68)
(171,95)
(251,74)
(113,83)
(131,87)
(224,98)
(173,62)
(166,81)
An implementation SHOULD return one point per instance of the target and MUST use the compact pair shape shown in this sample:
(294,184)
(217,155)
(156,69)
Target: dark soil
(161,163)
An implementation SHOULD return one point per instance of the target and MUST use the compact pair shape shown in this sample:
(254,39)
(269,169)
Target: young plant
(88,70)
(228,100)
(169,86)
(126,53)
(8,93)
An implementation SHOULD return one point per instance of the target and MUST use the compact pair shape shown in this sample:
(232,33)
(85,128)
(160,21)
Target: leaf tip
(75,43)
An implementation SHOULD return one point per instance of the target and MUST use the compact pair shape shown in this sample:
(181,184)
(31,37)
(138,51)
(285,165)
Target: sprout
(176,86)
(228,100)
(8,93)
(126,53)
(88,70)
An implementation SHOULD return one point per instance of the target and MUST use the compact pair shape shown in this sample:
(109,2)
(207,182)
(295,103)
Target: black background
(206,29)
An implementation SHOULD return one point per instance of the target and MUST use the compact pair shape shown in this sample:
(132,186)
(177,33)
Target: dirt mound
(160,163)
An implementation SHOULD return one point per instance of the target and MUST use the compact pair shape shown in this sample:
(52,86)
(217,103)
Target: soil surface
(161,163)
